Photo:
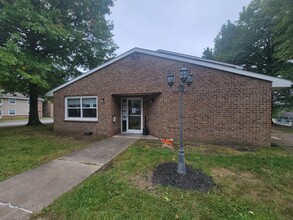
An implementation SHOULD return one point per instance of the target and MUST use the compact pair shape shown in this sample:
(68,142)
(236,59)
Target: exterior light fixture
(189,80)
(185,78)
(183,74)
(102,100)
(170,79)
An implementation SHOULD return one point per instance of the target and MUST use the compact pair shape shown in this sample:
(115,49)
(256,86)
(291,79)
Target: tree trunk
(33,114)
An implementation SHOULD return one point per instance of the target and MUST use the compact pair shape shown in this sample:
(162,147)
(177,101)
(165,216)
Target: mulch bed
(166,174)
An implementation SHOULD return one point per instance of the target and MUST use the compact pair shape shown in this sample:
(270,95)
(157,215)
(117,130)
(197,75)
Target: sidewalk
(29,192)
(23,122)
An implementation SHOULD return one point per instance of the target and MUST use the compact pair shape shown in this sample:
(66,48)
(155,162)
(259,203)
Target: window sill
(81,119)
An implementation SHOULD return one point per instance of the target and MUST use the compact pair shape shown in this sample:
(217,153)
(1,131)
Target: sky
(183,26)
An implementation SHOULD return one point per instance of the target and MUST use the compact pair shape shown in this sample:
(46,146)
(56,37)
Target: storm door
(131,110)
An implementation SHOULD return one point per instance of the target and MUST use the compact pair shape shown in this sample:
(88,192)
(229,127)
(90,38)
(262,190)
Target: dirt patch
(222,172)
(249,178)
(166,174)
(237,178)
(243,184)
(227,149)
(144,183)
(217,149)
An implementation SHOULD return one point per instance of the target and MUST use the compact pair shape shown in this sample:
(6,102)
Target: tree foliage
(261,40)
(46,42)
(284,29)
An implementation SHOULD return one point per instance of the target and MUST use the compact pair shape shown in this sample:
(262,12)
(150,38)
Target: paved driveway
(23,122)
(284,139)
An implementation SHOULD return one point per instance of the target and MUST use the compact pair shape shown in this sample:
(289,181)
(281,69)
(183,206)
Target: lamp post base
(181,164)
(181,170)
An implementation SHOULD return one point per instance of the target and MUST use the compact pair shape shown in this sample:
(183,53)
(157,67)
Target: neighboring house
(286,118)
(16,106)
(48,109)
(225,104)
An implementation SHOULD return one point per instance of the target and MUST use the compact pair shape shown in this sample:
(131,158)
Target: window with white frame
(11,101)
(81,108)
(0,101)
(11,112)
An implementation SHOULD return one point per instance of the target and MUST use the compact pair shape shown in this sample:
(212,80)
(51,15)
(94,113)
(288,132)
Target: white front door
(131,115)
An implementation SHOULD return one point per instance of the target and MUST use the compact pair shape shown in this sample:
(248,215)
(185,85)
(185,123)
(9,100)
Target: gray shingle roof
(286,115)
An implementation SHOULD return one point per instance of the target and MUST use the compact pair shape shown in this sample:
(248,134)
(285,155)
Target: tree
(283,9)
(43,43)
(260,42)
(208,53)
(225,48)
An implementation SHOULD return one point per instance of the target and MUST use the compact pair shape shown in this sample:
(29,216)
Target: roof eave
(276,82)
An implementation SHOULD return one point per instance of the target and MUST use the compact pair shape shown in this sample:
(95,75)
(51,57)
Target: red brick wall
(220,107)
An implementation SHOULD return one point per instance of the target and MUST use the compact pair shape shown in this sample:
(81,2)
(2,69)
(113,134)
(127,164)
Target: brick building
(225,104)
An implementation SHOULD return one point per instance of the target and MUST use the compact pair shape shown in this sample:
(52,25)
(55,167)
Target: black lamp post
(185,78)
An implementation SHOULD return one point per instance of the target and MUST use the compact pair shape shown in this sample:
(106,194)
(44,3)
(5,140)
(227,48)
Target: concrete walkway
(29,192)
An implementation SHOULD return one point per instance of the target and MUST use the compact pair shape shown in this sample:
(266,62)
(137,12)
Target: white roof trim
(276,82)
(199,58)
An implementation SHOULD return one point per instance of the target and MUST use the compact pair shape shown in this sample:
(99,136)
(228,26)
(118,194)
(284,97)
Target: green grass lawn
(250,185)
(10,119)
(2,120)
(23,148)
